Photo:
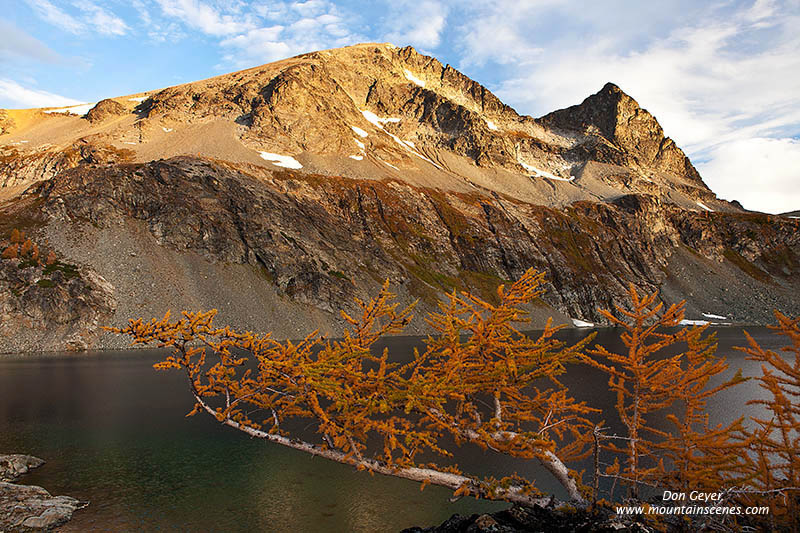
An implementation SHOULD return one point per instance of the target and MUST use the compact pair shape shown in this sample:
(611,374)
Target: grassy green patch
(27,263)
(69,271)
(746,266)
(46,283)
(425,282)
(22,214)
(692,250)
(262,272)
(780,259)
(575,247)
(340,275)
(483,284)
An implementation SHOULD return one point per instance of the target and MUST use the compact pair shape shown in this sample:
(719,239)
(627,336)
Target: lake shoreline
(6,355)
(29,507)
(114,432)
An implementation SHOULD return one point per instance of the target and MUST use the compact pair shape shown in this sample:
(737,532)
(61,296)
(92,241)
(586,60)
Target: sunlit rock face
(279,193)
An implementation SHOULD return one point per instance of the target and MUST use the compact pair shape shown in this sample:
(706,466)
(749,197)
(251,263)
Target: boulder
(105,109)
(13,466)
(30,508)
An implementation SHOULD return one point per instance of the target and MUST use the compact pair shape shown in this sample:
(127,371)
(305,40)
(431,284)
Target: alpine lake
(113,432)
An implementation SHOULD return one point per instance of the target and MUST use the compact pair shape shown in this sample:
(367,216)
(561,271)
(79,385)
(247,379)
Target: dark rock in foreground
(13,466)
(31,508)
(27,507)
(519,519)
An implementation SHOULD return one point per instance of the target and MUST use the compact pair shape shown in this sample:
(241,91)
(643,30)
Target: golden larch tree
(775,440)
(475,381)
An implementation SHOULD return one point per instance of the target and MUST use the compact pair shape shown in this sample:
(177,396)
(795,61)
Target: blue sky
(723,78)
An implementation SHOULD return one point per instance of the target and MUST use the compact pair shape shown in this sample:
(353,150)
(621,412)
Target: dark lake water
(113,432)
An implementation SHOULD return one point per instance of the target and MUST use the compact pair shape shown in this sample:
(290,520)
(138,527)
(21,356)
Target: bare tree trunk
(596,477)
(548,459)
(513,494)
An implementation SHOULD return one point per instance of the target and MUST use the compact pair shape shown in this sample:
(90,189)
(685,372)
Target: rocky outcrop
(14,465)
(105,109)
(320,241)
(51,307)
(406,170)
(6,122)
(619,131)
(20,168)
(25,508)
(518,520)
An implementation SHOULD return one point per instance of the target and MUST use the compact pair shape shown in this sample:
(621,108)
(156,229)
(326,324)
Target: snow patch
(582,324)
(79,110)
(542,173)
(402,143)
(379,122)
(361,133)
(166,130)
(356,157)
(409,143)
(716,317)
(281,160)
(390,165)
(129,142)
(360,144)
(687,322)
(794,217)
(492,126)
(701,204)
(413,79)
(139,99)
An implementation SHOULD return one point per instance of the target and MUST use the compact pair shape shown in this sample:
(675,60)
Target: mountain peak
(611,87)
(375,111)
(613,118)
(600,111)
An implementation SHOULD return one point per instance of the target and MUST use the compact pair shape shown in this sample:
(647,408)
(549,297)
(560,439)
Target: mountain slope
(415,120)
(279,193)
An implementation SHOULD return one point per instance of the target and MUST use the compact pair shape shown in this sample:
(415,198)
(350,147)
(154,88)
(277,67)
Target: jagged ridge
(405,169)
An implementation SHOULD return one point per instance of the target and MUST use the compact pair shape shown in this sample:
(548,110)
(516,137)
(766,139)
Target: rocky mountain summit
(620,131)
(279,193)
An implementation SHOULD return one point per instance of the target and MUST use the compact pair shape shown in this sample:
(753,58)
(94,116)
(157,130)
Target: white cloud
(259,45)
(252,33)
(143,10)
(761,9)
(754,170)
(714,75)
(271,10)
(18,45)
(92,18)
(418,23)
(310,8)
(102,21)
(304,27)
(12,94)
(56,16)
(209,19)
